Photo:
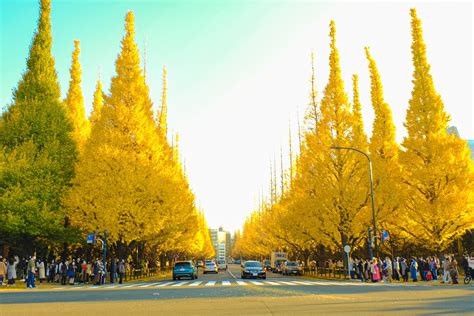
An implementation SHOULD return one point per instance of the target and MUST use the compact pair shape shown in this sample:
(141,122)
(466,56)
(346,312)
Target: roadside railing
(135,274)
(339,273)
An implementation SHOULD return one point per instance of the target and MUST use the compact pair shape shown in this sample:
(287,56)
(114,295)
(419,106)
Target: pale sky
(239,71)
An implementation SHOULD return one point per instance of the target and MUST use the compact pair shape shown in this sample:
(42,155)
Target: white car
(210,267)
(222,265)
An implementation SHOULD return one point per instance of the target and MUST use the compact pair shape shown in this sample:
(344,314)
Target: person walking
(374,268)
(446,268)
(404,269)
(453,271)
(64,268)
(396,268)
(31,269)
(71,272)
(113,270)
(11,270)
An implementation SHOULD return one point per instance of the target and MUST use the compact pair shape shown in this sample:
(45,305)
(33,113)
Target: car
(237,261)
(267,264)
(222,264)
(210,267)
(253,269)
(291,267)
(184,269)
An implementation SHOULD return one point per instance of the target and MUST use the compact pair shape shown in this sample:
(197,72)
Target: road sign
(347,248)
(90,239)
(385,235)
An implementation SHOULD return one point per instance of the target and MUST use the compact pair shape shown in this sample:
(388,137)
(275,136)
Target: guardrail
(134,274)
(326,272)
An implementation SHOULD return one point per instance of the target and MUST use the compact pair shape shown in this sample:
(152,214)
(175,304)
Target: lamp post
(371,194)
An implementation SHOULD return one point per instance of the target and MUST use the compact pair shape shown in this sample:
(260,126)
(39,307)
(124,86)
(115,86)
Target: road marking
(165,284)
(111,286)
(286,282)
(225,283)
(58,288)
(256,283)
(149,284)
(231,274)
(272,283)
(211,283)
(304,283)
(134,284)
(195,283)
(180,283)
(241,283)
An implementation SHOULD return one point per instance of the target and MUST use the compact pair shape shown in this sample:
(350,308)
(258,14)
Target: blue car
(184,269)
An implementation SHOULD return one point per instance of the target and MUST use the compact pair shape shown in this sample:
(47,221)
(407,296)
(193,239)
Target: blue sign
(90,239)
(385,235)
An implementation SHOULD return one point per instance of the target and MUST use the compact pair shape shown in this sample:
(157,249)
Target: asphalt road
(226,293)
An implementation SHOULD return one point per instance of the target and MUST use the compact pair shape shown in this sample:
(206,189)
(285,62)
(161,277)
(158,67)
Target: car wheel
(192,277)
(242,276)
(264,278)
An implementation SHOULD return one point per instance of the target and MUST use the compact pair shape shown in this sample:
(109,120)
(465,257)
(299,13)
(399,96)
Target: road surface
(226,293)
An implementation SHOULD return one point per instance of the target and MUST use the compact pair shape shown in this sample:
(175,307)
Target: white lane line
(241,283)
(111,286)
(231,274)
(302,282)
(195,283)
(225,283)
(211,283)
(180,283)
(256,283)
(272,283)
(132,285)
(287,283)
(166,283)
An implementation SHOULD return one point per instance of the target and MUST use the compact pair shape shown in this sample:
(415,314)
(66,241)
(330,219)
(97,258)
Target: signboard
(385,235)
(90,239)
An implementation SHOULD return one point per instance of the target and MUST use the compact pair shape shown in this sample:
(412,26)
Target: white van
(222,264)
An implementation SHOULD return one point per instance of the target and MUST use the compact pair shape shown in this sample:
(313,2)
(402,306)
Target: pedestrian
(404,269)
(396,268)
(121,270)
(84,277)
(374,268)
(113,270)
(413,270)
(11,270)
(3,270)
(52,271)
(453,271)
(97,272)
(64,268)
(446,270)
(71,272)
(41,271)
(31,269)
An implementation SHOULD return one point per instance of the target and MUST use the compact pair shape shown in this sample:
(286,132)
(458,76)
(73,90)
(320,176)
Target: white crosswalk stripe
(241,283)
(256,282)
(132,285)
(272,283)
(165,284)
(287,283)
(149,284)
(195,283)
(225,283)
(180,283)
(302,282)
(211,283)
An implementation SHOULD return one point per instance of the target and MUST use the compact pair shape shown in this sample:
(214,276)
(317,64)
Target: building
(222,242)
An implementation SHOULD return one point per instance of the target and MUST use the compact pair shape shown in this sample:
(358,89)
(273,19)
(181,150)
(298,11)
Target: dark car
(291,267)
(184,269)
(267,264)
(253,269)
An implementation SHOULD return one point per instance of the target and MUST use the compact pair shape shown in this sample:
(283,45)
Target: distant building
(470,143)
(222,242)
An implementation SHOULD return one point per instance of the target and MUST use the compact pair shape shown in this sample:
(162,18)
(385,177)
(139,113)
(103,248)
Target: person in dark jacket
(113,270)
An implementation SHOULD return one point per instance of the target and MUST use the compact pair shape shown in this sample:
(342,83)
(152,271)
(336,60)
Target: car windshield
(252,264)
(182,265)
(291,264)
(210,264)
(221,262)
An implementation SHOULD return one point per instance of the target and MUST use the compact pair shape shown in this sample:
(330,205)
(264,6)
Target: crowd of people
(74,271)
(403,269)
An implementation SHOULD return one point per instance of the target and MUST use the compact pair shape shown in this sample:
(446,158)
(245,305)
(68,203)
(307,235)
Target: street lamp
(371,194)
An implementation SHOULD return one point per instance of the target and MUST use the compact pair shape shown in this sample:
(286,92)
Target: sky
(238,72)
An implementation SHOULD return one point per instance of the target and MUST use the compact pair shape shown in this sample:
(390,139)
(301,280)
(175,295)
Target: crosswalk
(223,283)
